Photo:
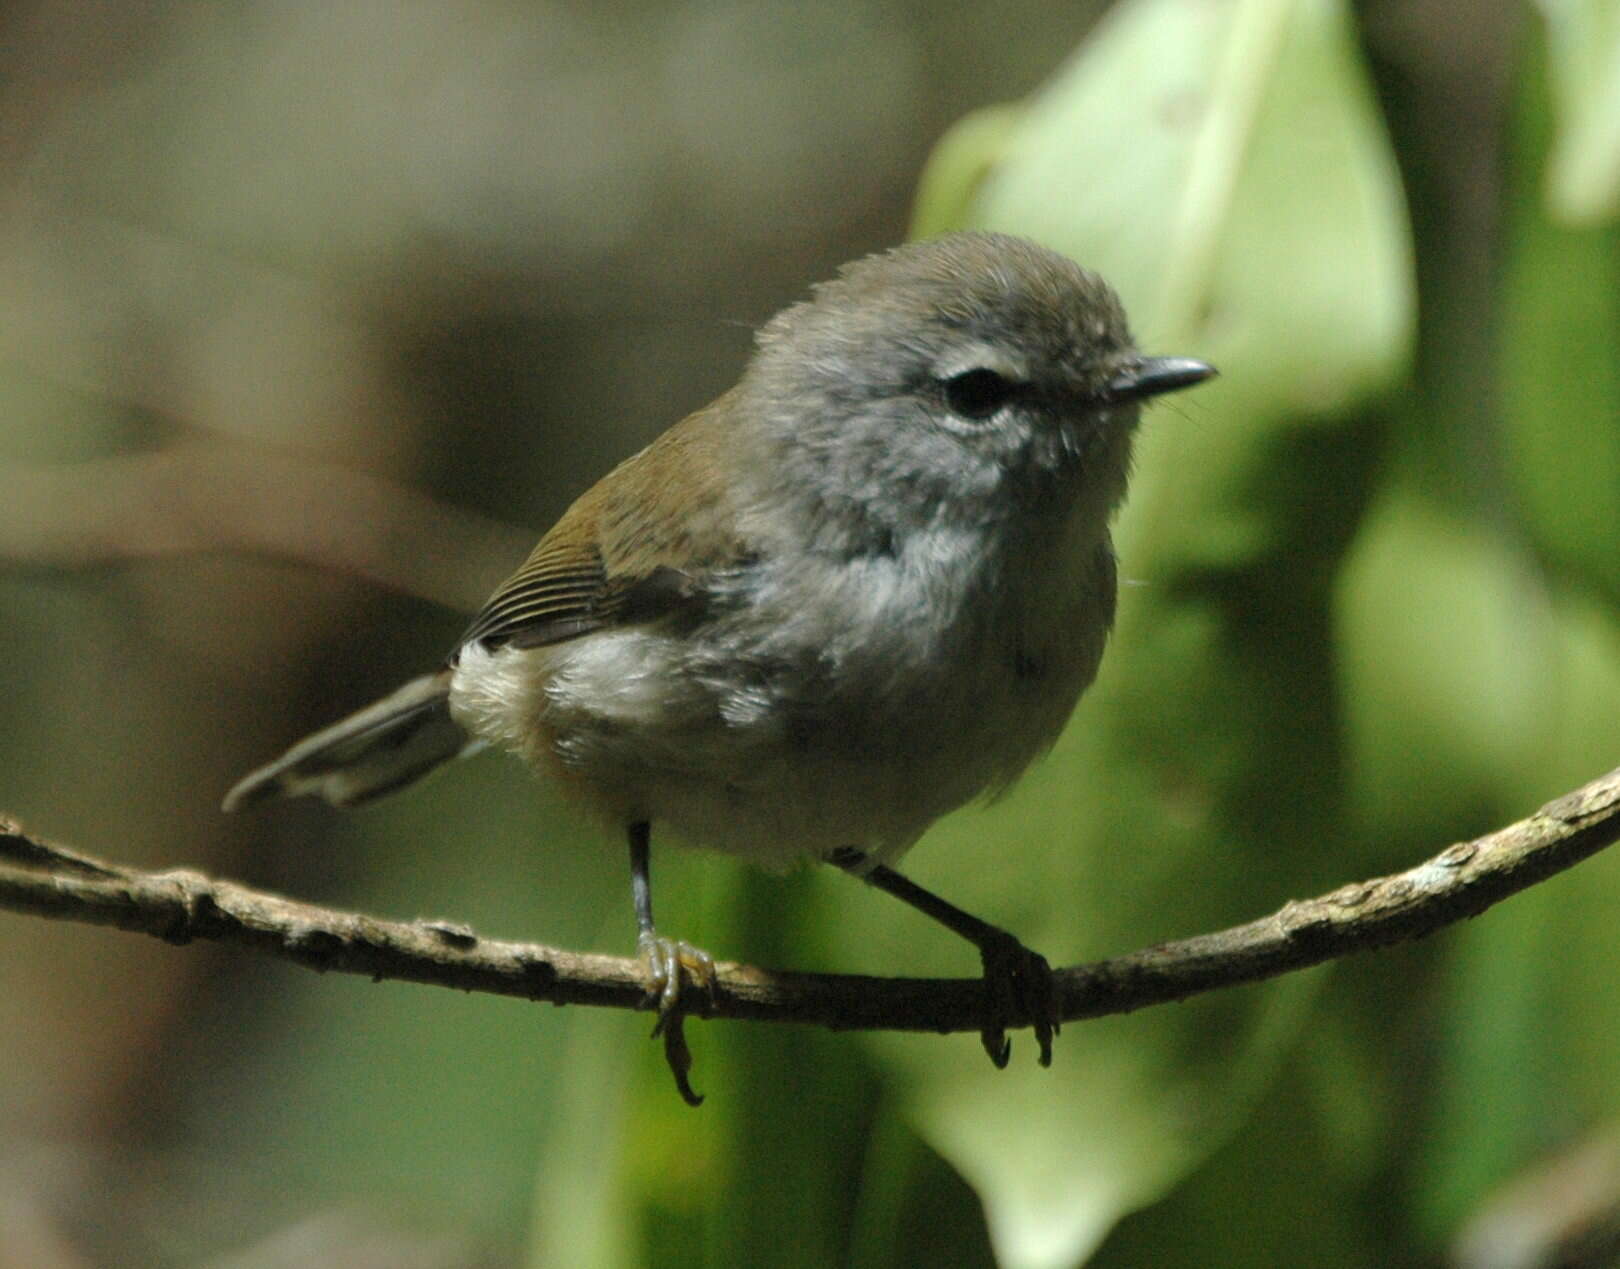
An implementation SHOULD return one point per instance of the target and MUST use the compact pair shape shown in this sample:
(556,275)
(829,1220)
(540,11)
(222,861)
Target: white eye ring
(977,356)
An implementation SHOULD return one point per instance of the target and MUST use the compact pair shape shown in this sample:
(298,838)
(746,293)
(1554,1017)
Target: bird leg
(1018,983)
(668,963)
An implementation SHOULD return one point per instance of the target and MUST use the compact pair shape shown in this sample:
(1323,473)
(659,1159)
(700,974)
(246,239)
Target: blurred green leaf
(631,1175)
(792,1108)
(1560,375)
(961,160)
(393,1082)
(1241,1208)
(1224,167)
(585,1206)
(1528,1014)
(1583,171)
(1448,647)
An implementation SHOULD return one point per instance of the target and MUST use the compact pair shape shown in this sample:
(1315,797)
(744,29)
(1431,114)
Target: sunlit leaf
(959,164)
(1583,174)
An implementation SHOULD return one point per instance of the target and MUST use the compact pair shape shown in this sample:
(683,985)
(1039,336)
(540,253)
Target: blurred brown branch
(1563,1211)
(179,905)
(199,497)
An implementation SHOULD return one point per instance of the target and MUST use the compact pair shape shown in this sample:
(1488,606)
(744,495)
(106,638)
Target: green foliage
(1583,162)
(1559,374)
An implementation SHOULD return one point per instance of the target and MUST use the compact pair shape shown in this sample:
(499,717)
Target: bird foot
(1019,986)
(670,964)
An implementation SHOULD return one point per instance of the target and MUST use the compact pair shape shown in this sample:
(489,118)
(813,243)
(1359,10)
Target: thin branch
(180,905)
(215,496)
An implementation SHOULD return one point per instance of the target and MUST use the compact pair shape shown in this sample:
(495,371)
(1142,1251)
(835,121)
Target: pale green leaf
(1583,175)
(1222,164)
(961,160)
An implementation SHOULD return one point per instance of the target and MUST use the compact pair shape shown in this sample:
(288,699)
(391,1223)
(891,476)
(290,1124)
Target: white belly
(847,707)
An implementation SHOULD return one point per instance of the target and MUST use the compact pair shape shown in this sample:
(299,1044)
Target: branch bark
(179,905)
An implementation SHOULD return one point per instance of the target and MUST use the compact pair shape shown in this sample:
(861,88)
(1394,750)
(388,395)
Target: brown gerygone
(863,587)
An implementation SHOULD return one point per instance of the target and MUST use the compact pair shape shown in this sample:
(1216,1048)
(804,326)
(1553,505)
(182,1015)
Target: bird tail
(383,747)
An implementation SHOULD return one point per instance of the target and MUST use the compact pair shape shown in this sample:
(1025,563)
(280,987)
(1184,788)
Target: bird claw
(1018,985)
(678,1056)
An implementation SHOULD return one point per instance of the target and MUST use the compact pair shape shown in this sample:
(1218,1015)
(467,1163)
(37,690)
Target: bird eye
(977,394)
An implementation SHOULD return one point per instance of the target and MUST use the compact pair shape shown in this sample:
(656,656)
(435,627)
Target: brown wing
(637,546)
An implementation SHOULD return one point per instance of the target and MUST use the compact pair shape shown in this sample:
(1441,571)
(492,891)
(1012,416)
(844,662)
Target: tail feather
(383,747)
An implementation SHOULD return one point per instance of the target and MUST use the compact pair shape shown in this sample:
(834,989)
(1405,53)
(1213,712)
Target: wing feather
(639,546)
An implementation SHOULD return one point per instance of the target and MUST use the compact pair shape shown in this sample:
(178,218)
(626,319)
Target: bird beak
(1149,376)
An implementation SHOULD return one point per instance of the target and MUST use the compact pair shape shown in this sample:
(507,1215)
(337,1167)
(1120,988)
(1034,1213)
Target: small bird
(862,588)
